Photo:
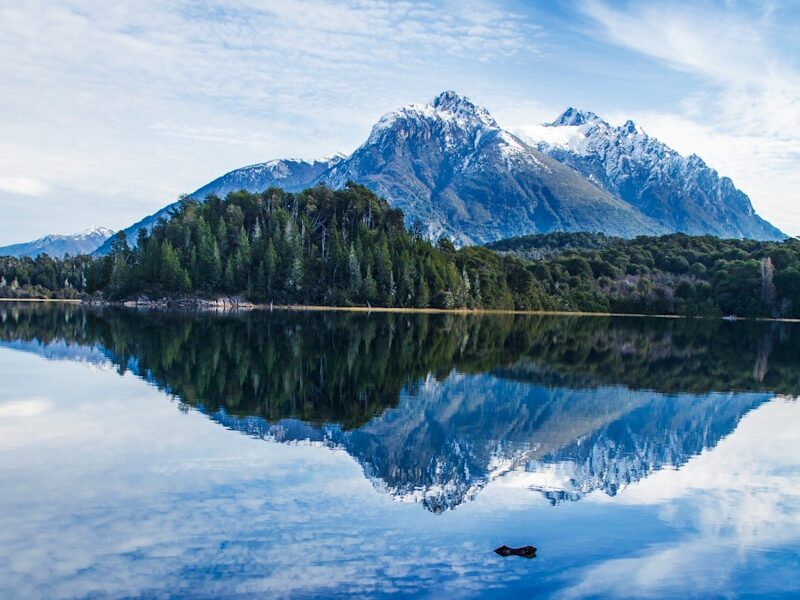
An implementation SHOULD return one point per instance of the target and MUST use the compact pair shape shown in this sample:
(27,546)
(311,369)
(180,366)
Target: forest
(348,247)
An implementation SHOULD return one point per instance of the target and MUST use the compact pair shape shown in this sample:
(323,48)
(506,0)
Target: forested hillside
(671,274)
(348,247)
(320,246)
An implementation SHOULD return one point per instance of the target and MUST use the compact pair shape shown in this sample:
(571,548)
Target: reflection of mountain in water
(443,444)
(435,407)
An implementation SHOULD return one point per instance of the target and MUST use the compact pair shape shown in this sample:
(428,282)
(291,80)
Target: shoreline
(67,300)
(227,306)
(454,311)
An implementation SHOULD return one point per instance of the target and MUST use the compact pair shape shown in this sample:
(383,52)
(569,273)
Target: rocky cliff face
(681,193)
(450,165)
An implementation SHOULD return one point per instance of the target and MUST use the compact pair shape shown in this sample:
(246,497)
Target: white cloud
(25,186)
(745,120)
(28,407)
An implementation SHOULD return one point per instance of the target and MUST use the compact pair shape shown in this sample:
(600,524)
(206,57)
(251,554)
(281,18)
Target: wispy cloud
(745,117)
(25,186)
(152,99)
(28,407)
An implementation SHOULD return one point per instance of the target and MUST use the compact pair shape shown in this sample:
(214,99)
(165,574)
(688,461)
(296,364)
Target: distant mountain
(681,193)
(449,165)
(60,245)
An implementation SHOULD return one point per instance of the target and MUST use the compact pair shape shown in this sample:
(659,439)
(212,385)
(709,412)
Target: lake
(325,455)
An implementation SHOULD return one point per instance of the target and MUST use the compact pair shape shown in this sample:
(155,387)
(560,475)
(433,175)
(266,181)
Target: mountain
(59,245)
(450,166)
(291,174)
(682,194)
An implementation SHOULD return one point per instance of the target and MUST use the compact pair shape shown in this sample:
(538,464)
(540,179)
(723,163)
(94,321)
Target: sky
(111,110)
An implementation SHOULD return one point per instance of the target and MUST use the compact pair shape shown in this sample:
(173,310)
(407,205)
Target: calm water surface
(346,455)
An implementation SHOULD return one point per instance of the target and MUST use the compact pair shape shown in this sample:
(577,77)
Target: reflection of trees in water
(594,396)
(349,367)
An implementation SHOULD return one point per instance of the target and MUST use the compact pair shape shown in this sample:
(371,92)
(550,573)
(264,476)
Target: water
(346,455)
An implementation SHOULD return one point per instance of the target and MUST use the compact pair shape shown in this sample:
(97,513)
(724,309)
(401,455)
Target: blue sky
(108,111)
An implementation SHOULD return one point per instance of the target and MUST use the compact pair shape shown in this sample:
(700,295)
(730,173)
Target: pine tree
(214,276)
(370,287)
(171,274)
(423,295)
(383,268)
(228,278)
(221,235)
(208,261)
(270,266)
(121,279)
(241,261)
(354,271)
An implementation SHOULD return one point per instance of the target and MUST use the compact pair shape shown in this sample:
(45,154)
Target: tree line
(670,274)
(348,247)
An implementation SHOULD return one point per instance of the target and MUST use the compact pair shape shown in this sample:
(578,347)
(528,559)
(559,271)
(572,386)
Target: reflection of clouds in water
(113,491)
(734,502)
(240,538)
(27,407)
(123,494)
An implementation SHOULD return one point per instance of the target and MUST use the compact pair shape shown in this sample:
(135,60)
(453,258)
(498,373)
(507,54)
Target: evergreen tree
(270,266)
(172,276)
(354,270)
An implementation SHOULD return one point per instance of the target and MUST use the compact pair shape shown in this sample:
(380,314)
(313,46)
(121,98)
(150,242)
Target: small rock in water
(523,551)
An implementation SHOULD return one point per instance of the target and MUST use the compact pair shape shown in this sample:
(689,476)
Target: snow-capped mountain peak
(448,164)
(462,108)
(97,231)
(448,109)
(574,117)
(682,193)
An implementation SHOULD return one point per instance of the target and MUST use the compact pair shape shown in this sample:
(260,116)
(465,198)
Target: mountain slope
(681,193)
(449,165)
(290,174)
(60,245)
